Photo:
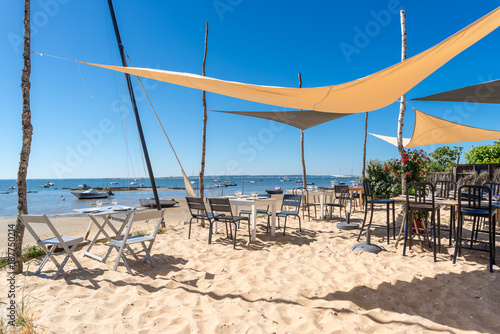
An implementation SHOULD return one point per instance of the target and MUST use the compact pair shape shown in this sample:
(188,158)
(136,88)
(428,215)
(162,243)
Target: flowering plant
(415,166)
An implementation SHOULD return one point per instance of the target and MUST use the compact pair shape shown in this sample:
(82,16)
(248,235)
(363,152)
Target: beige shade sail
(369,93)
(486,92)
(301,119)
(433,130)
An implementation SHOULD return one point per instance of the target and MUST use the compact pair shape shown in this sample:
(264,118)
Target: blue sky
(87,133)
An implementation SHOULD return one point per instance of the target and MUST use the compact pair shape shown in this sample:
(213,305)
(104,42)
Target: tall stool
(472,203)
(368,199)
(424,203)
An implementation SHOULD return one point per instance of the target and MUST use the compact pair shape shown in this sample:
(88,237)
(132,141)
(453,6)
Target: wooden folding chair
(49,245)
(121,243)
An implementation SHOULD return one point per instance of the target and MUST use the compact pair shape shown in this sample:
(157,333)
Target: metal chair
(264,211)
(222,212)
(306,203)
(339,200)
(368,199)
(448,190)
(198,211)
(290,201)
(49,245)
(423,204)
(472,203)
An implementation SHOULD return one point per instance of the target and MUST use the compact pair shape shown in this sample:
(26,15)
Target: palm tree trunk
(204,135)
(22,203)
(402,107)
(364,147)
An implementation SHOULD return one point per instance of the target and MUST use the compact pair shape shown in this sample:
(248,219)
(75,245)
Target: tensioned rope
(77,65)
(145,93)
(156,115)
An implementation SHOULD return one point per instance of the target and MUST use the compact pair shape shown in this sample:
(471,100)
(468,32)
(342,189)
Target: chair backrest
(27,220)
(367,189)
(195,205)
(291,201)
(423,192)
(495,188)
(304,192)
(134,217)
(473,197)
(446,189)
(341,191)
(221,206)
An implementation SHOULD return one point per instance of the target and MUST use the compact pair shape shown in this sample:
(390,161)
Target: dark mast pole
(134,106)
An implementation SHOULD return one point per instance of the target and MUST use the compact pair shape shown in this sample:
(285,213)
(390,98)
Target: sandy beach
(303,282)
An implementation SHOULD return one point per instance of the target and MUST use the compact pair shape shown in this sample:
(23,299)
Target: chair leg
(148,255)
(249,231)
(300,227)
(364,221)
(189,235)
(433,222)
(210,231)
(406,225)
(284,226)
(394,220)
(458,238)
(235,229)
(388,222)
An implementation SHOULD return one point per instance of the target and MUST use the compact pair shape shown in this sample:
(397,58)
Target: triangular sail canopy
(301,119)
(369,93)
(391,140)
(486,92)
(433,130)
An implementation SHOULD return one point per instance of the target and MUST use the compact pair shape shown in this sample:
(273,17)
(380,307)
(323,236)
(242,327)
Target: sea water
(58,199)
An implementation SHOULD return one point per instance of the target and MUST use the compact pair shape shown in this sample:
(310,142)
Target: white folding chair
(49,245)
(121,243)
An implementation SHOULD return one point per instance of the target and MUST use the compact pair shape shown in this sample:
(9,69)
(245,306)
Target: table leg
(401,230)
(253,217)
(321,206)
(273,218)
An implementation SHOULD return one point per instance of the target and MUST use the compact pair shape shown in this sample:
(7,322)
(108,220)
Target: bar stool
(368,199)
(471,203)
(424,203)
(448,190)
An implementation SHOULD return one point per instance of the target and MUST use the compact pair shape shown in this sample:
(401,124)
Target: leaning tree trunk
(364,147)
(304,181)
(402,107)
(22,203)
(204,135)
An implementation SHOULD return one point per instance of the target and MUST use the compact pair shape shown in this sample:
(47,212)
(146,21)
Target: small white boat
(133,183)
(151,202)
(114,182)
(92,194)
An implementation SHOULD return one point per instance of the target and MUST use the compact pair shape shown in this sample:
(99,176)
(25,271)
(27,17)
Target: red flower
(409,173)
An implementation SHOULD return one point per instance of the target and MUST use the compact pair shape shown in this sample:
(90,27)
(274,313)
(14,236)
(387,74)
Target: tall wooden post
(402,107)
(204,135)
(22,202)
(304,181)
(364,147)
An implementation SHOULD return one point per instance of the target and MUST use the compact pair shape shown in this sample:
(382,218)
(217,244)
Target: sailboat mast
(134,106)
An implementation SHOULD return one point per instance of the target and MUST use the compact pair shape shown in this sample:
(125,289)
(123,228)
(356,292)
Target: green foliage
(32,251)
(444,158)
(383,183)
(140,232)
(483,154)
(415,166)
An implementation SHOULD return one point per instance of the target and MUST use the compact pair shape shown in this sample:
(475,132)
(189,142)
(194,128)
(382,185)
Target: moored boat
(92,194)
(151,202)
(276,190)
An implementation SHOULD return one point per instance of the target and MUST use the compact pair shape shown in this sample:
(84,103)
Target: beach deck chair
(121,243)
(49,245)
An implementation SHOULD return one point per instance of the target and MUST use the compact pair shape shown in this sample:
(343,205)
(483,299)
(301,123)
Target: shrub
(444,158)
(32,251)
(483,154)
(415,167)
(383,183)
